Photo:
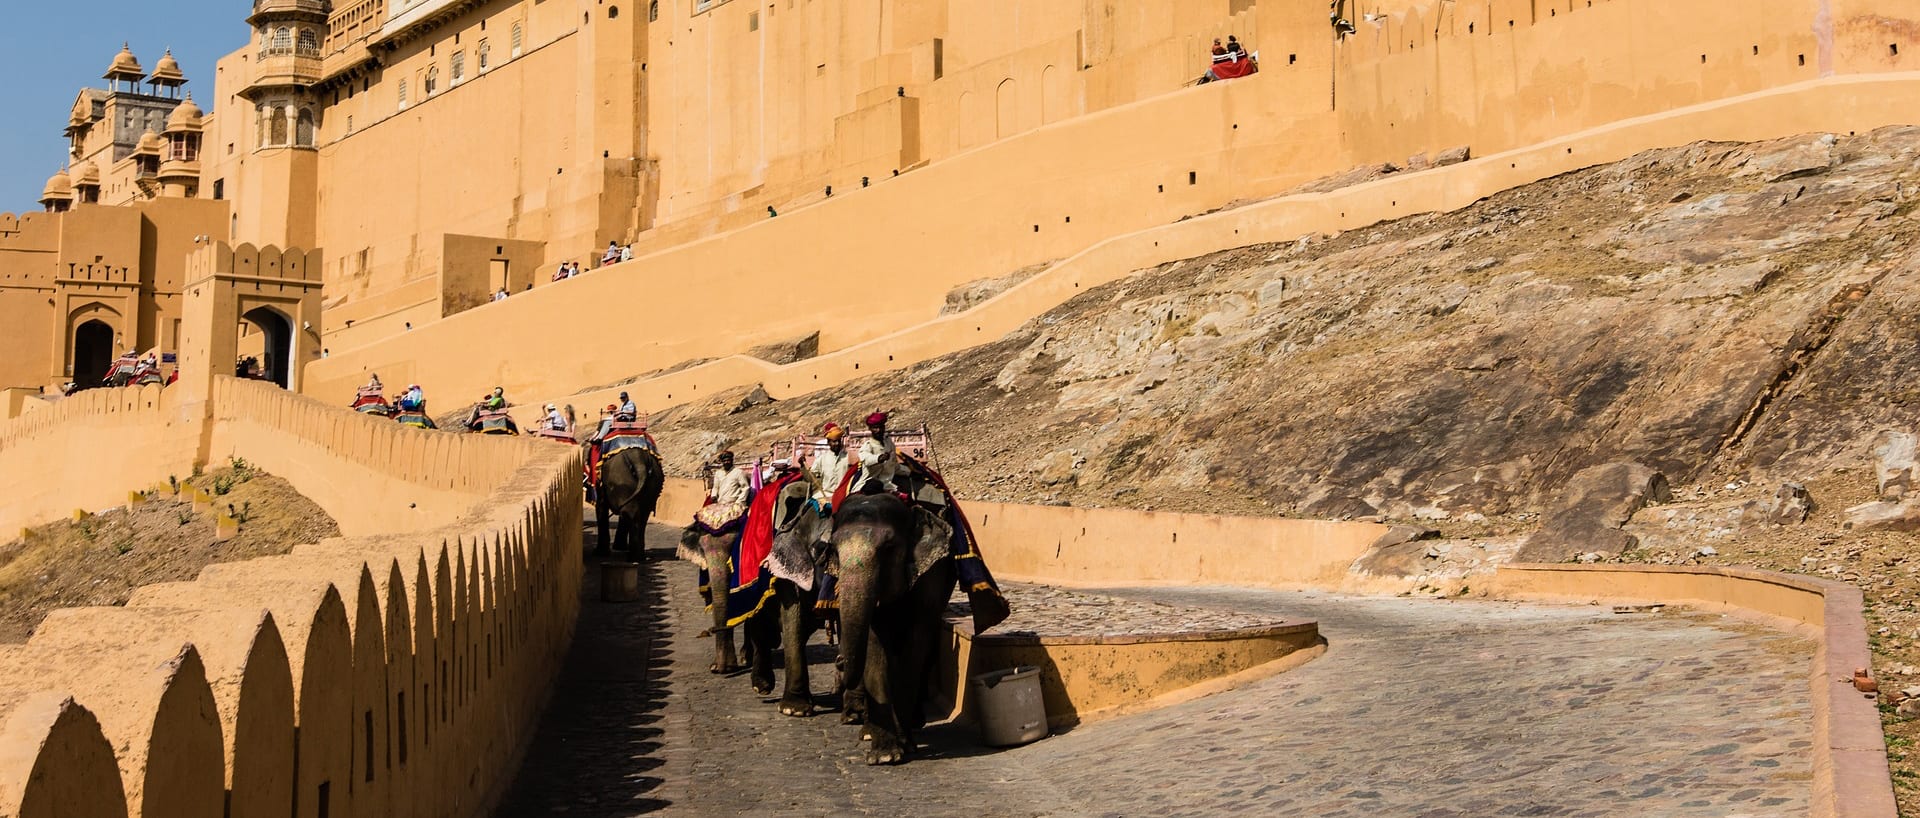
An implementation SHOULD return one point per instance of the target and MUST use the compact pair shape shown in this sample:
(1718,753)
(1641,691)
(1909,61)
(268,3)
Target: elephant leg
(910,673)
(638,544)
(762,634)
(600,514)
(853,693)
(797,699)
(623,535)
(883,726)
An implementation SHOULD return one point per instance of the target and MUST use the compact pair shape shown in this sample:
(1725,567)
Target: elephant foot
(866,732)
(886,751)
(723,668)
(763,687)
(796,706)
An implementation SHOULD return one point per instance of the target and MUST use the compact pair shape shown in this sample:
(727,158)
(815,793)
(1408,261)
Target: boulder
(1894,466)
(1055,469)
(788,351)
(1453,156)
(757,397)
(1593,507)
(1791,505)
(1884,515)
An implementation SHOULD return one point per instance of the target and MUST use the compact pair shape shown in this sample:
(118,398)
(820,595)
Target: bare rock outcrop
(1714,312)
(1595,505)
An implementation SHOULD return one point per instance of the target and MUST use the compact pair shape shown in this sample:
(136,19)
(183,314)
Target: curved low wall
(1089,677)
(393,672)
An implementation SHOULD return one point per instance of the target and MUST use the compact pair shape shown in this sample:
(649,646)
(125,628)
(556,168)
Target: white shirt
(829,468)
(730,487)
(879,463)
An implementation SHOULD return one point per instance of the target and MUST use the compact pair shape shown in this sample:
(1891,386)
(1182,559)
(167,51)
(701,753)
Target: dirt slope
(101,559)
(1714,309)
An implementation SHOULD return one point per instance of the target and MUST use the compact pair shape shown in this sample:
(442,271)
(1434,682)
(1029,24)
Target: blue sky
(50,50)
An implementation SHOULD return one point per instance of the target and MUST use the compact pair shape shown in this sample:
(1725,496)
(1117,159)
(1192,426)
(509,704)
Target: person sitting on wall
(561,274)
(626,252)
(500,295)
(612,255)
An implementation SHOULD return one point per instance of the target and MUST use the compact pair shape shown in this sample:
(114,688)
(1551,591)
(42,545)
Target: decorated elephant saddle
(720,518)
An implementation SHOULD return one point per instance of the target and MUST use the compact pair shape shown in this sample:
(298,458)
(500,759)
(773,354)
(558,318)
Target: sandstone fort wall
(373,674)
(1057,190)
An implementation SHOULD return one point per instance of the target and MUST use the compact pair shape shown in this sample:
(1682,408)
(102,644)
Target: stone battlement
(375,669)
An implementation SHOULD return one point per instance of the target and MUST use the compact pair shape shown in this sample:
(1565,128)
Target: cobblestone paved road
(1419,708)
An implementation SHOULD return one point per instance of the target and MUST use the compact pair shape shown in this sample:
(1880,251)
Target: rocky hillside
(1742,311)
(1701,355)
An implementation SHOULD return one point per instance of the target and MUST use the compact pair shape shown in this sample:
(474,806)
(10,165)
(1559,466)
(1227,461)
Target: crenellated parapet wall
(395,670)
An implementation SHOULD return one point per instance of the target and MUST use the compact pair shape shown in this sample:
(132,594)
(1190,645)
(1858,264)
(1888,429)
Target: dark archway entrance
(277,360)
(92,353)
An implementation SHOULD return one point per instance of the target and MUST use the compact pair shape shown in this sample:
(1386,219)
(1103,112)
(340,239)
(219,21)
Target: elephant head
(801,534)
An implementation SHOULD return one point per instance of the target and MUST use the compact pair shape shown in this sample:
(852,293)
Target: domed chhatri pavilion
(100,270)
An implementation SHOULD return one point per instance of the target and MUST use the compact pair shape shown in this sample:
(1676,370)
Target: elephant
(714,554)
(896,575)
(630,483)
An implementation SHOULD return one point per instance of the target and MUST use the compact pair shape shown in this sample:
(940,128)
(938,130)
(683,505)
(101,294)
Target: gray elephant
(629,485)
(713,552)
(896,575)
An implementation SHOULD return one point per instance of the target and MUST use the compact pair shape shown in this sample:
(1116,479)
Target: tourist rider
(497,400)
(606,424)
(879,462)
(830,466)
(413,400)
(628,412)
(729,484)
(555,421)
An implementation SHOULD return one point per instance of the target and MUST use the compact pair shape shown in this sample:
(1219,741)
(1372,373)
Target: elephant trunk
(856,550)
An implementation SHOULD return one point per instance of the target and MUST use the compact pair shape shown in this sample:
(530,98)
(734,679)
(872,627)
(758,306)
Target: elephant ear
(934,544)
(794,538)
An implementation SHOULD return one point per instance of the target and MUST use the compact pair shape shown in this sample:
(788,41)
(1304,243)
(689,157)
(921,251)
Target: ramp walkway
(1419,707)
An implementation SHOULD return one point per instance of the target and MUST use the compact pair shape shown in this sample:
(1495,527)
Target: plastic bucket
(619,582)
(1008,706)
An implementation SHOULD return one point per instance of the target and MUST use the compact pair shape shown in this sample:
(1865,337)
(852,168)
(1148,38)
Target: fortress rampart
(869,262)
(394,670)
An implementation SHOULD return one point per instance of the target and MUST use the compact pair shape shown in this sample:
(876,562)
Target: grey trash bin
(619,582)
(1009,706)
